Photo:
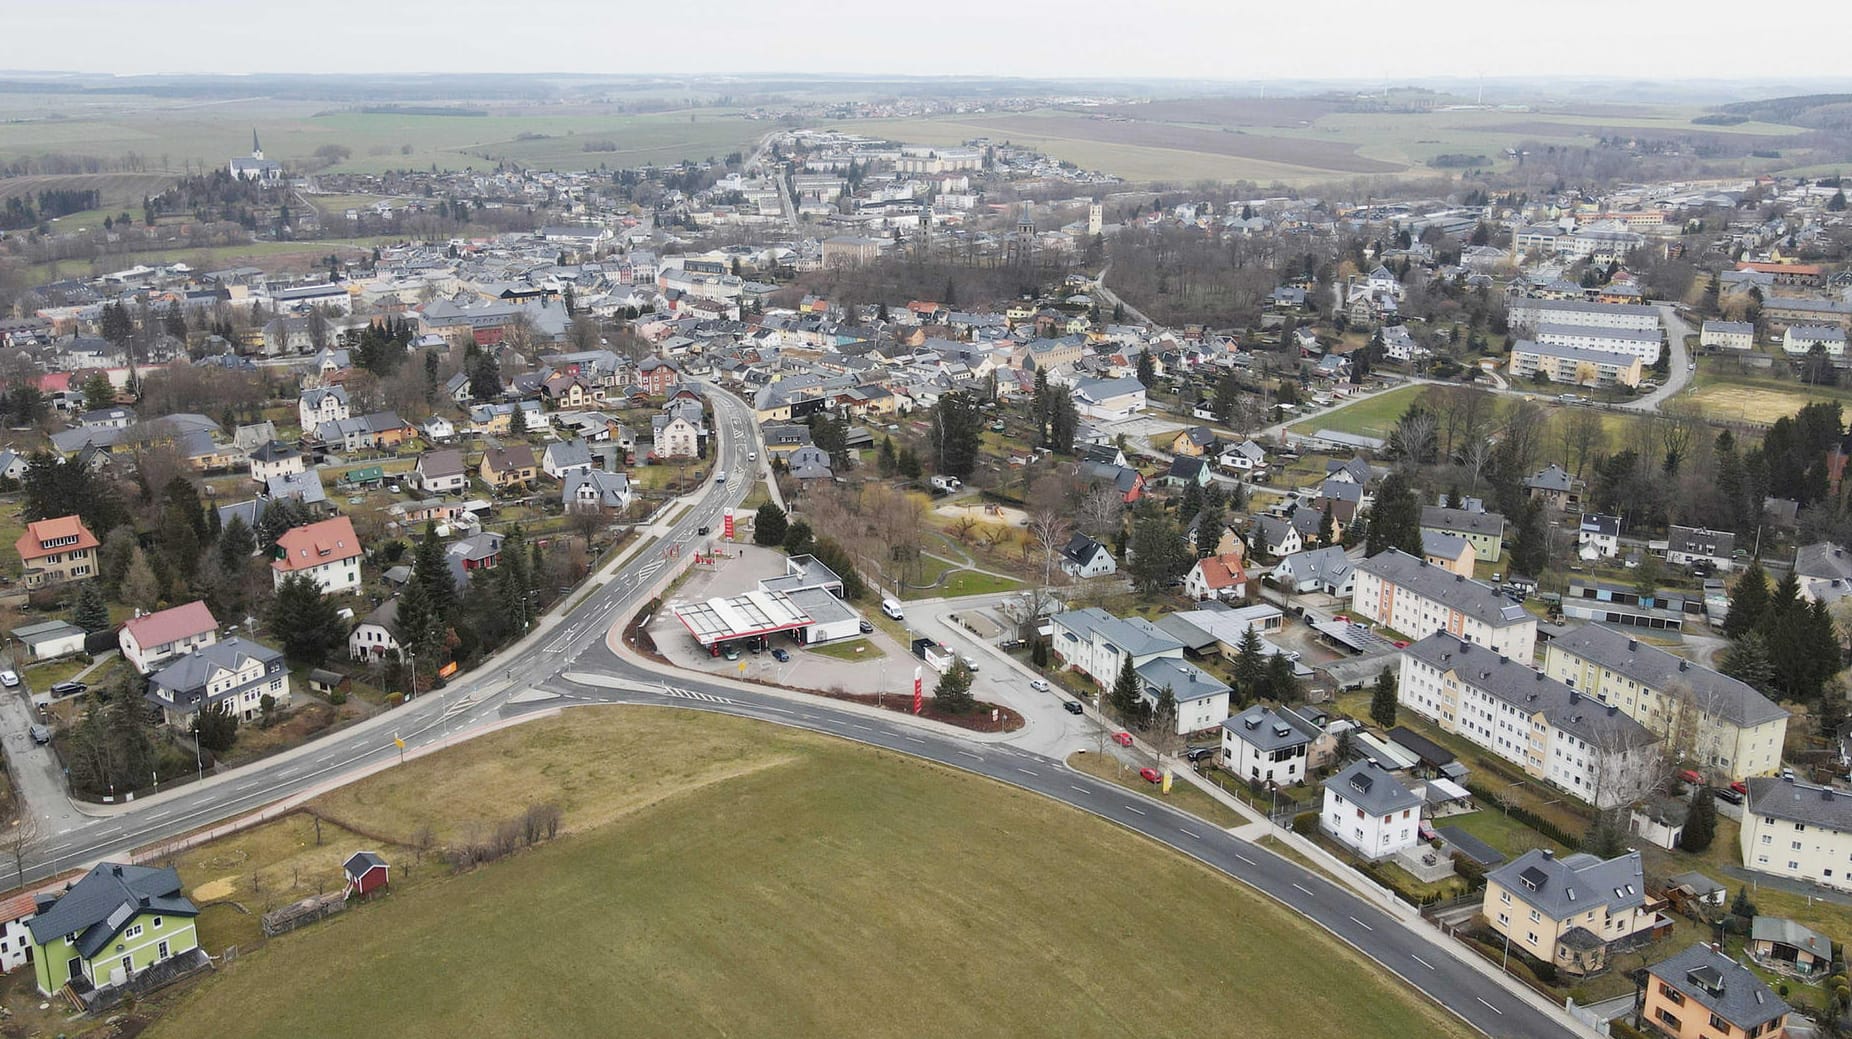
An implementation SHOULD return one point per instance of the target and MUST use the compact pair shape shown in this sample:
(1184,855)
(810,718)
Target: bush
(1305,823)
(1470,871)
(338,697)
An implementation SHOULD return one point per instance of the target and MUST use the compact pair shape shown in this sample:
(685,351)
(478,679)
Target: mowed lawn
(833,890)
(1374,417)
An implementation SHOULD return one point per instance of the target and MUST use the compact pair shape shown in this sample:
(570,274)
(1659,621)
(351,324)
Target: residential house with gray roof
(1484,530)
(1703,992)
(1097,644)
(1261,746)
(1416,598)
(1798,830)
(1573,911)
(1368,811)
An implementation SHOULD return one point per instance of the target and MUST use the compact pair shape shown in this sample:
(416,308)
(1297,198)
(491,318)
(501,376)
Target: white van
(891,607)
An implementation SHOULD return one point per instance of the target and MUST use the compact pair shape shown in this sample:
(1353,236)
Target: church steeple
(257,150)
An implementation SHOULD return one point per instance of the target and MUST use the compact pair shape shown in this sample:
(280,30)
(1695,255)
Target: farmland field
(790,884)
(169,135)
(1302,140)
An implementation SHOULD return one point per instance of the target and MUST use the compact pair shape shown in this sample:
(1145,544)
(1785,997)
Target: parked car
(68,688)
(1040,685)
(867,628)
(41,735)
(1727,794)
(1123,739)
(10,679)
(1074,707)
(1690,776)
(1739,787)
(731,653)
(970,663)
(1150,775)
(1199,753)
(782,656)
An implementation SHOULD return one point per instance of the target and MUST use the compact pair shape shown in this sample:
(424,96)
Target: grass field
(1373,417)
(273,256)
(967,582)
(854,649)
(822,889)
(1183,796)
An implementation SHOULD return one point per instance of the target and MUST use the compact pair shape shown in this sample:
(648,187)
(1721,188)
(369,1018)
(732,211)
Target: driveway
(38,779)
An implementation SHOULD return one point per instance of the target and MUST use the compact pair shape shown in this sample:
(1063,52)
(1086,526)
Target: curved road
(567,662)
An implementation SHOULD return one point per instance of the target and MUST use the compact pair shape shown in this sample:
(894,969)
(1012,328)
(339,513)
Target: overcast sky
(1243,40)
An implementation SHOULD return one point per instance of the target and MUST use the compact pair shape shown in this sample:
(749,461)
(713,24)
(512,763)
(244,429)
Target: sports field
(745,880)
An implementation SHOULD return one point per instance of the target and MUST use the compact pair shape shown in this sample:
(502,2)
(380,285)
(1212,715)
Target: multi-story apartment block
(1798,830)
(1418,599)
(1584,748)
(1703,716)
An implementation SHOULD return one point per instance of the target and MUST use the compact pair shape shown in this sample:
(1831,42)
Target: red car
(1123,739)
(1739,787)
(1342,618)
(1149,775)
(1400,643)
(1691,777)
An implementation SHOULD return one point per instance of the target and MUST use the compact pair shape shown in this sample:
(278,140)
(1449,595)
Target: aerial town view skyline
(987,522)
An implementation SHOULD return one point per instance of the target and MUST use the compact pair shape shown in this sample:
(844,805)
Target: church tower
(257,150)
(1096,218)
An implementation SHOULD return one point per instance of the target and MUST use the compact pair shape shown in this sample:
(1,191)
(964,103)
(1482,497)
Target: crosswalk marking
(691,694)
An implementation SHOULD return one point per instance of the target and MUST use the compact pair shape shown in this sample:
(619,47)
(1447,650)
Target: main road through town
(568,662)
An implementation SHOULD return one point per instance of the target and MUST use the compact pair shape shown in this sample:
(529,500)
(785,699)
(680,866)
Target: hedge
(1528,818)
(1305,823)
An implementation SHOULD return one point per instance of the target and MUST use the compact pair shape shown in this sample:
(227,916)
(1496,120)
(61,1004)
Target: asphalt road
(567,662)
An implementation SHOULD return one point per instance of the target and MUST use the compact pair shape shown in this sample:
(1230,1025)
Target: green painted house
(110,926)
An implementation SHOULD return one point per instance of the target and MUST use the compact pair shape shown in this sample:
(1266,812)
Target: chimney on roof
(1684,665)
(1633,644)
(1574,698)
(1548,854)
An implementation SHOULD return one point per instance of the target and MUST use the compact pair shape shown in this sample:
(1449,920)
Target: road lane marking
(1244,858)
(1361,924)
(1307,890)
(913,739)
(1187,833)
(1490,1007)
(1082,789)
(980,757)
(1423,962)
(1025,772)
(1129,808)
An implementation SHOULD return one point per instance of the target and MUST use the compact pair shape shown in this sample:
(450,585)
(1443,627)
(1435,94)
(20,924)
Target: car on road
(702,530)
(10,679)
(1073,707)
(753,456)
(781,655)
(68,688)
(1150,775)
(720,478)
(970,663)
(40,734)
(1123,739)
(1040,685)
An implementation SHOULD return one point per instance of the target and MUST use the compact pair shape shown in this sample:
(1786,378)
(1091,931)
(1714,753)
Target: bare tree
(20,841)
(1475,457)
(1583,437)
(1629,764)
(1099,511)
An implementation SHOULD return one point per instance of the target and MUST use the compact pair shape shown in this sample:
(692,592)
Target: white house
(1598,537)
(1418,599)
(596,489)
(15,936)
(1084,557)
(1246,456)
(1097,644)
(1261,747)
(317,406)
(1369,812)
(150,639)
(1217,577)
(276,459)
(1326,570)
(566,456)
(236,673)
(374,637)
(329,552)
(1688,545)
(440,472)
